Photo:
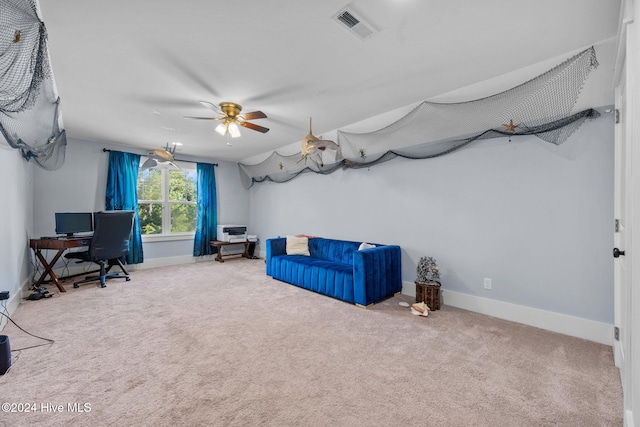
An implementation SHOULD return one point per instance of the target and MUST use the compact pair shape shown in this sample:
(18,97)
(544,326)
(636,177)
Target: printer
(232,233)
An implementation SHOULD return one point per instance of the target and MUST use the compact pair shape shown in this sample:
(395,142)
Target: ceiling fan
(161,158)
(231,118)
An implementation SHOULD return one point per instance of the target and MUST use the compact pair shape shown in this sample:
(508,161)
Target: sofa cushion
(333,250)
(318,275)
(365,245)
(297,245)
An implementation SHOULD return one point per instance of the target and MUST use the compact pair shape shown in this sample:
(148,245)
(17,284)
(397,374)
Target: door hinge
(617,115)
(617,226)
(616,333)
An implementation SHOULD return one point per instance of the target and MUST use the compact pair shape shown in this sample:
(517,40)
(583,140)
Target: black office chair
(110,242)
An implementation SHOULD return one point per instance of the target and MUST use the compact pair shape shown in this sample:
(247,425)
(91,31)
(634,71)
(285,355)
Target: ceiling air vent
(348,19)
(353,23)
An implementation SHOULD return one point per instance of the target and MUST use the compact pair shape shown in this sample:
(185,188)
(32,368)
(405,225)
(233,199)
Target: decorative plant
(428,271)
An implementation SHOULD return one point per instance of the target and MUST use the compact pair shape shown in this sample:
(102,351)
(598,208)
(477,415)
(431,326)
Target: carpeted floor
(222,344)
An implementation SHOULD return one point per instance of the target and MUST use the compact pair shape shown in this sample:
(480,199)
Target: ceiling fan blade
(174,165)
(150,163)
(211,106)
(252,126)
(254,115)
(203,118)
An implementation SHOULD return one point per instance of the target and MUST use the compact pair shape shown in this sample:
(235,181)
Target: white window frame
(166,207)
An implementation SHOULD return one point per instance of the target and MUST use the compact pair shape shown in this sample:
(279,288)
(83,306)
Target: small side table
(429,293)
(219,244)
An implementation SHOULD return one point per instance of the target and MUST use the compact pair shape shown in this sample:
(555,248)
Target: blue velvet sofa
(338,269)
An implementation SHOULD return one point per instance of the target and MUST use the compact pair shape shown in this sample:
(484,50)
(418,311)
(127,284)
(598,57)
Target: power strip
(4,295)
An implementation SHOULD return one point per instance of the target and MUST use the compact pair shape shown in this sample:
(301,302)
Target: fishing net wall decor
(29,105)
(541,106)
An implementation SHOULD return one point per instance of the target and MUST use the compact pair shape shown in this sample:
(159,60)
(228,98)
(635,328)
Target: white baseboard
(168,261)
(183,259)
(148,263)
(628,418)
(556,322)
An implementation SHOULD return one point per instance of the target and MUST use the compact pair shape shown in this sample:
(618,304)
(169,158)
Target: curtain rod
(106,150)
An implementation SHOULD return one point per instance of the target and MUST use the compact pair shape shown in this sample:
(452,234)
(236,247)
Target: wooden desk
(218,244)
(61,244)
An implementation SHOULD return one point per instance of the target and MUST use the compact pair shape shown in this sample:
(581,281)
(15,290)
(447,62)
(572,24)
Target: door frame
(627,297)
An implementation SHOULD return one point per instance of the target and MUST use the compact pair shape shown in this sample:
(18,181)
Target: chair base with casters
(104,274)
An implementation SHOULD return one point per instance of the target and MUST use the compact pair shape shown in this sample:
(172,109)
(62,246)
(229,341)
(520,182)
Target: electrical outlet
(4,295)
(487,283)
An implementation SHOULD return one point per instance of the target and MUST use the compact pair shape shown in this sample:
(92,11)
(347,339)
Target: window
(167,200)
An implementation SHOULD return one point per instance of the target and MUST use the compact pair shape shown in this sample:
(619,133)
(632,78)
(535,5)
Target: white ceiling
(128,71)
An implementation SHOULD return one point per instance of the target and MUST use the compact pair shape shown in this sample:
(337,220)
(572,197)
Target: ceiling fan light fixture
(232,120)
(221,129)
(233,129)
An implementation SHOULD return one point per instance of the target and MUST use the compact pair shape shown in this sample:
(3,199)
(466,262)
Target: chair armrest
(377,273)
(275,247)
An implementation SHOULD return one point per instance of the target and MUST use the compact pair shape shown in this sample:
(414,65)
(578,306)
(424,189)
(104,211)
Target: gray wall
(80,186)
(16,193)
(535,218)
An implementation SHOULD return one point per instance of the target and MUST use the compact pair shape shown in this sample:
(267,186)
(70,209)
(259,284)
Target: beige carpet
(225,345)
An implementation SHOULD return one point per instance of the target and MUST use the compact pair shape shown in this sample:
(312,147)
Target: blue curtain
(207,220)
(122,194)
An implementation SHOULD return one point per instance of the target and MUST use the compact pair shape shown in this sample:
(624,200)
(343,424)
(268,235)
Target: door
(627,208)
(622,287)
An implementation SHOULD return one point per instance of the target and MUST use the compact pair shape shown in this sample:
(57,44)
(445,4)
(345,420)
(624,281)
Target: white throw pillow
(364,245)
(297,245)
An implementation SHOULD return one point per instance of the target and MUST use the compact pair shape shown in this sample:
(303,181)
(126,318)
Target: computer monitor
(70,223)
